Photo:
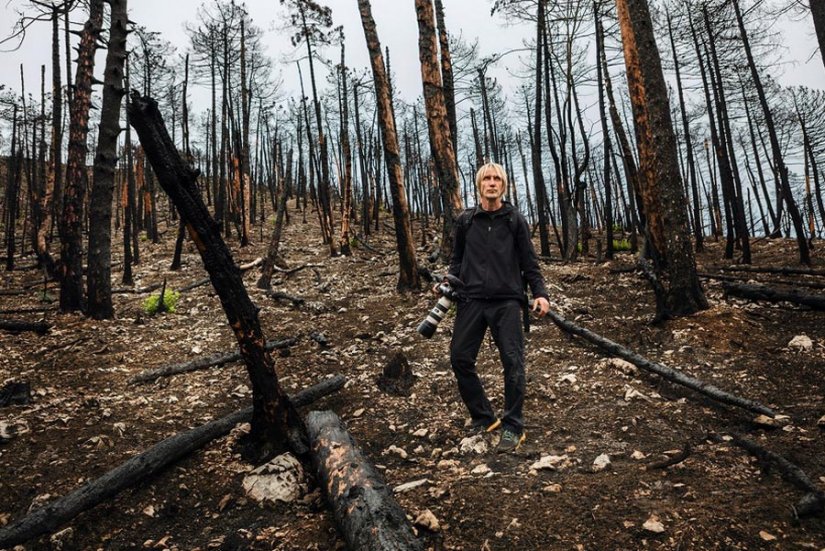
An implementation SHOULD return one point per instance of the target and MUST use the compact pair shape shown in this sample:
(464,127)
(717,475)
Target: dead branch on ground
(761,292)
(214,360)
(659,369)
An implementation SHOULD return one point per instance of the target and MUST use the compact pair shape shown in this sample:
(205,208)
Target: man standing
(491,253)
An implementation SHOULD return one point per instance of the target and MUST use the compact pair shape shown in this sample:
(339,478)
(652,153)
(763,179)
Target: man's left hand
(541,306)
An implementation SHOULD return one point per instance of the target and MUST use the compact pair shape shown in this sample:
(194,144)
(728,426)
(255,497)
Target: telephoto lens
(430,324)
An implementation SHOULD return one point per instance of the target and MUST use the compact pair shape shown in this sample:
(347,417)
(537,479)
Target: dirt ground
(86,418)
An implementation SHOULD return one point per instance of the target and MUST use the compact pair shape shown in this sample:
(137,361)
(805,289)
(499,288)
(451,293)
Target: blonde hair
(495,167)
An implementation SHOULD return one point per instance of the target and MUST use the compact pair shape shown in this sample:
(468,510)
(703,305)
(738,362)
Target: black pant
(503,317)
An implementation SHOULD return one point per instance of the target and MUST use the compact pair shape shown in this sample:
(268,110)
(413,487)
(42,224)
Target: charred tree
(442,141)
(99,278)
(71,239)
(275,422)
(408,278)
(677,287)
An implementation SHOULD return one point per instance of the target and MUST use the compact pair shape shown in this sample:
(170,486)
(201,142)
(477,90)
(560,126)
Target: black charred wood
(367,514)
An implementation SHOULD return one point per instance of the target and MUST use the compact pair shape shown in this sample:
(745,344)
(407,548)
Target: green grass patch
(152,304)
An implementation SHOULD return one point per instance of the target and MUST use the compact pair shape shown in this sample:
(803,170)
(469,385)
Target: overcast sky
(397,28)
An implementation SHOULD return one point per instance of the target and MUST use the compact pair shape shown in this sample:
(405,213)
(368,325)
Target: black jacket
(491,251)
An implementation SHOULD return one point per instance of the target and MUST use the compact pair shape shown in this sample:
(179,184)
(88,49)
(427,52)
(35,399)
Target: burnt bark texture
(71,238)
(99,279)
(441,139)
(408,277)
(365,510)
(275,421)
(679,292)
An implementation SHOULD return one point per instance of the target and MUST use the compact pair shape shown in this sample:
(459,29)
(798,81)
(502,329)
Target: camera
(448,290)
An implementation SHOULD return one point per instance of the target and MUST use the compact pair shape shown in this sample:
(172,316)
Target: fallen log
(214,360)
(290,271)
(201,282)
(670,374)
(278,295)
(812,503)
(367,514)
(36,310)
(788,282)
(18,326)
(761,292)
(50,517)
(774,270)
(140,291)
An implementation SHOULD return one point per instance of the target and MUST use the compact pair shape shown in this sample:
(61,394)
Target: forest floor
(86,417)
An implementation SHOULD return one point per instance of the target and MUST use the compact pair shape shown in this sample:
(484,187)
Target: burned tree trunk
(408,277)
(441,139)
(275,421)
(71,239)
(679,292)
(99,279)
(364,508)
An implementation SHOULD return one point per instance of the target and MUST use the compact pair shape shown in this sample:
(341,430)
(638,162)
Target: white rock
(62,540)
(654,525)
(421,433)
(551,463)
(282,479)
(427,520)
(552,488)
(621,365)
(474,444)
(630,393)
(766,536)
(821,421)
(637,455)
(801,343)
(481,469)
(569,378)
(196,349)
(773,422)
(407,486)
(400,452)
(601,463)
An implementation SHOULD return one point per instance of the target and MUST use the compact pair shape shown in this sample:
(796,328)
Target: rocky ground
(587,478)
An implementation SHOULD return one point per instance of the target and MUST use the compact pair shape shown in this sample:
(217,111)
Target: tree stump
(397,378)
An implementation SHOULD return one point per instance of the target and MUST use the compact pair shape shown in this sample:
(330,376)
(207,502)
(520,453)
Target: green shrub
(170,300)
(621,245)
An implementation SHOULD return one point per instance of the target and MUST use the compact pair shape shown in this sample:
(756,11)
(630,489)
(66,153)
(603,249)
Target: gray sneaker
(510,441)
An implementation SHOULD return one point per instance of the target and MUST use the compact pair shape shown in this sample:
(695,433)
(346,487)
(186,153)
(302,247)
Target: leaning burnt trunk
(274,421)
